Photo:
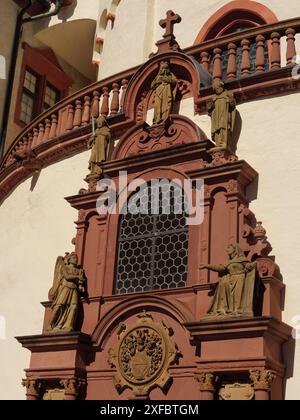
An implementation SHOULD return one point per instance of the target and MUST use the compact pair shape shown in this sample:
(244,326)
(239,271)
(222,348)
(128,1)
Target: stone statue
(222,110)
(101,145)
(68,284)
(234,295)
(165,87)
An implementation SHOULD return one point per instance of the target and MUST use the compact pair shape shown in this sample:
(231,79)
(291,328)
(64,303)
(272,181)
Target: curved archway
(134,305)
(234,16)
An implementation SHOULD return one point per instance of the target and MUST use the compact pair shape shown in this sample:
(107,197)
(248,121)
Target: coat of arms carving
(144,355)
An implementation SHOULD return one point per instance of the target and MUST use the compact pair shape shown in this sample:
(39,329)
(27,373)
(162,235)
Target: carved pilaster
(33,388)
(74,388)
(207,385)
(262,382)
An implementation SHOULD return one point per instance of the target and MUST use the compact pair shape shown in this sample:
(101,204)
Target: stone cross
(169,23)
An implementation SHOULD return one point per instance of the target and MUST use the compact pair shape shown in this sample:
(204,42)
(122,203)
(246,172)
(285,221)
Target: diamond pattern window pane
(51,96)
(30,82)
(27,105)
(153,248)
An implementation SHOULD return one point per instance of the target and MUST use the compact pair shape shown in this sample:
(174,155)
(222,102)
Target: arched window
(153,245)
(233,17)
(237,16)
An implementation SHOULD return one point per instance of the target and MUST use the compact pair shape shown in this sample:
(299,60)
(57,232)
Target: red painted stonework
(233,346)
(224,348)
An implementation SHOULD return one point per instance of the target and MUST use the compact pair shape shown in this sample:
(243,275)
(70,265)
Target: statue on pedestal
(165,87)
(101,146)
(222,110)
(234,295)
(68,284)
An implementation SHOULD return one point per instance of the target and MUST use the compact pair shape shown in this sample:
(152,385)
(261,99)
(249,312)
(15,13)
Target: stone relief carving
(207,381)
(144,355)
(237,392)
(262,379)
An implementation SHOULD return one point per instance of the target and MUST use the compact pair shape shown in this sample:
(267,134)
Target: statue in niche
(165,87)
(68,285)
(222,110)
(101,146)
(234,295)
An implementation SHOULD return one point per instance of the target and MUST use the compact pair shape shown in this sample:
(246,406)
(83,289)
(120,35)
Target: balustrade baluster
(232,65)
(47,129)
(86,111)
(35,137)
(246,65)
(275,51)
(41,133)
(115,102)
(291,47)
(96,99)
(217,72)
(70,118)
(105,102)
(260,54)
(53,126)
(78,114)
(205,63)
(124,89)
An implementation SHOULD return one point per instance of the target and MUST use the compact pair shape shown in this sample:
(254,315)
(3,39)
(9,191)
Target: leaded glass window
(153,247)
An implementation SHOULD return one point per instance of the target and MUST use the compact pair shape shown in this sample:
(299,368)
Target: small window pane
(27,104)
(30,82)
(51,96)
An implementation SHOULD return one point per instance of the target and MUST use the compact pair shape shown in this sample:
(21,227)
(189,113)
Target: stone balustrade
(243,57)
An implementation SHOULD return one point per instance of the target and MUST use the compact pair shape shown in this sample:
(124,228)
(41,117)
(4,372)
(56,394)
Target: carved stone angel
(234,295)
(68,284)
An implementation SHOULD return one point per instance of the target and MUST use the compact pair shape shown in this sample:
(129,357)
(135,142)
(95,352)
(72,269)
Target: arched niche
(187,70)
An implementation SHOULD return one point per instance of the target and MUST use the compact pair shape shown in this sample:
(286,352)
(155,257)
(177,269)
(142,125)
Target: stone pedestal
(242,346)
(59,361)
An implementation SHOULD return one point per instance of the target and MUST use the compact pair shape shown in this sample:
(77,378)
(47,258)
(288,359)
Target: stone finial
(169,43)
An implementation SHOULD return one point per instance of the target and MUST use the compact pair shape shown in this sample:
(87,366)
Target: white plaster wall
(36,226)
(132,37)
(8,13)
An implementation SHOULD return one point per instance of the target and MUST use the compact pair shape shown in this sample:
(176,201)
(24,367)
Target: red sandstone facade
(213,353)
